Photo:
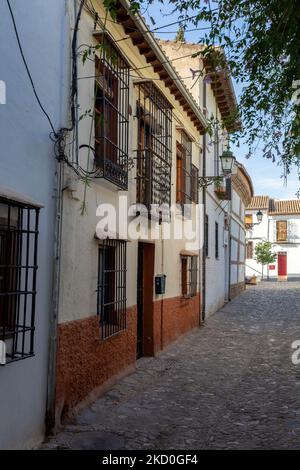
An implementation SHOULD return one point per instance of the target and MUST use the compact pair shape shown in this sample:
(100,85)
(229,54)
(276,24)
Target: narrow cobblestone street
(229,385)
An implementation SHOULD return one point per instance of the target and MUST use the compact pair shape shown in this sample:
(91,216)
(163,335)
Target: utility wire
(27,69)
(92,10)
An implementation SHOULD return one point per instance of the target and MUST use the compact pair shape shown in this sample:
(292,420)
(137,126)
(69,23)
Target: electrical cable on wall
(27,68)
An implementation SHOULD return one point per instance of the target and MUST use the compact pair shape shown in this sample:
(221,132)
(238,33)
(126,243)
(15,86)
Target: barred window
(111,114)
(18,270)
(206,235)
(184,170)
(189,275)
(154,152)
(195,178)
(111,289)
(216,240)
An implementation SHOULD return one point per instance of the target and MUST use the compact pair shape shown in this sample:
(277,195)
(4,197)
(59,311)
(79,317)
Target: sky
(266,175)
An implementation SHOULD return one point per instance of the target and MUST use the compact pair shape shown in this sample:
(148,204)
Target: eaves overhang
(135,27)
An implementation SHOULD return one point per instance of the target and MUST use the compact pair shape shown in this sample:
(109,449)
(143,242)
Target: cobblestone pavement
(229,385)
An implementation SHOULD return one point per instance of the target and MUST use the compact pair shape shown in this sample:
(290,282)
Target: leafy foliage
(264,254)
(180,35)
(261,42)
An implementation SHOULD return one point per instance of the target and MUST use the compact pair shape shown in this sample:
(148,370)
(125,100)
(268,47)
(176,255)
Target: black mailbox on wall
(160,284)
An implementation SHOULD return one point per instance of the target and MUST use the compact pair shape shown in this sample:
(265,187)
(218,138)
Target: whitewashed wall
(27,166)
(79,251)
(267,231)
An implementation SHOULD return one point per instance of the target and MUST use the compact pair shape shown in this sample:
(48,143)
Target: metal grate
(112,114)
(111,289)
(18,270)
(154,153)
(206,235)
(184,170)
(216,240)
(189,273)
(195,179)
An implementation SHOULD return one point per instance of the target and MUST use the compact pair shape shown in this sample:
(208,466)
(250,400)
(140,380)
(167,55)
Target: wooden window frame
(249,250)
(184,155)
(281,233)
(195,179)
(111,123)
(154,149)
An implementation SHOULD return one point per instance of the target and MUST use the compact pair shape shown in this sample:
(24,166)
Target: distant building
(223,257)
(241,194)
(280,225)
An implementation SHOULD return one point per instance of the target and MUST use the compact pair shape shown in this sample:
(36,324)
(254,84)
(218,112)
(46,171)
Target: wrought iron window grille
(216,240)
(18,275)
(111,287)
(206,235)
(184,170)
(154,152)
(111,114)
(195,191)
(189,275)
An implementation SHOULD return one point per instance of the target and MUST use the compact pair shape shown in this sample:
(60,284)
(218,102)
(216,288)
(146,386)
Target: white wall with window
(282,230)
(27,168)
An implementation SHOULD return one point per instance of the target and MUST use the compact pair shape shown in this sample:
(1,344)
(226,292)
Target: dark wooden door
(145,275)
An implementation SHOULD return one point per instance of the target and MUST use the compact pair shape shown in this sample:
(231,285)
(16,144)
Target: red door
(282,264)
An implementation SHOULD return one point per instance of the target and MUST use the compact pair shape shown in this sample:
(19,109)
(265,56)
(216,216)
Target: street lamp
(227,161)
(259,216)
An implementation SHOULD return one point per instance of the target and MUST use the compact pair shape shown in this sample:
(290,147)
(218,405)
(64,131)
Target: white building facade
(27,209)
(222,274)
(280,226)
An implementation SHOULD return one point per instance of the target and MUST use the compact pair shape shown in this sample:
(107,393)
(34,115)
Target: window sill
(188,297)
(113,335)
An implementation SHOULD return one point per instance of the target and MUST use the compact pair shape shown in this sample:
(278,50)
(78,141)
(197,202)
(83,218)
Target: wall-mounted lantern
(227,161)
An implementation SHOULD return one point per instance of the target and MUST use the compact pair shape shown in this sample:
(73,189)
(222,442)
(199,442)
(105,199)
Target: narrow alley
(228,385)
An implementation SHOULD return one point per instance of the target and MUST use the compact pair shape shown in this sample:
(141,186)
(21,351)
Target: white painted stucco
(79,249)
(27,166)
(266,231)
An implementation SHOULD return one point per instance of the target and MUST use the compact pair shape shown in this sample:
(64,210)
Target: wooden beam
(159,68)
(129,23)
(121,16)
(168,82)
(144,48)
(163,74)
(173,89)
(151,58)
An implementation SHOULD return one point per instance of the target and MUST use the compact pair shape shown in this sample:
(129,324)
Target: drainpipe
(57,223)
(229,244)
(51,387)
(162,297)
(203,296)
(268,236)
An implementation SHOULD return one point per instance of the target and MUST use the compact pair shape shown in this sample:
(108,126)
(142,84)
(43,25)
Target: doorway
(282,265)
(145,275)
